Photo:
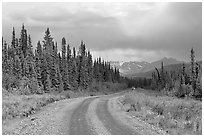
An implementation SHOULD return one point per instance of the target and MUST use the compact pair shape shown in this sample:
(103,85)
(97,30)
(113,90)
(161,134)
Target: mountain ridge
(172,67)
(132,67)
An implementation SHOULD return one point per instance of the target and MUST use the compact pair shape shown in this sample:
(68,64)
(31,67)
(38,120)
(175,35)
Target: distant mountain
(132,67)
(129,67)
(172,67)
(166,61)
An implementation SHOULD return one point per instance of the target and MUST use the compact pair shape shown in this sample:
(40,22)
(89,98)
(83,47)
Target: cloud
(129,54)
(145,29)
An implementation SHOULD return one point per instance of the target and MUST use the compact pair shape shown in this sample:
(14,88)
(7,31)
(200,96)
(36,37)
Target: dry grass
(173,115)
(18,106)
(14,106)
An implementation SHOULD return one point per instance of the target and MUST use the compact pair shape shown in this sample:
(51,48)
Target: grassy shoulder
(16,105)
(19,106)
(173,115)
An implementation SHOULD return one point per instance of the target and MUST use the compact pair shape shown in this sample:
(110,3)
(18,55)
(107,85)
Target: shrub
(34,87)
(106,86)
(188,89)
(176,116)
(159,109)
(135,107)
(9,81)
(28,86)
(67,94)
(179,90)
(162,123)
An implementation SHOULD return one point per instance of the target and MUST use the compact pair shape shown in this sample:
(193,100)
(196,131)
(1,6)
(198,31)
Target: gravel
(94,121)
(49,121)
(55,118)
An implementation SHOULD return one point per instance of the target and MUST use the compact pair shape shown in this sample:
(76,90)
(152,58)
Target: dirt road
(80,116)
(112,125)
(78,123)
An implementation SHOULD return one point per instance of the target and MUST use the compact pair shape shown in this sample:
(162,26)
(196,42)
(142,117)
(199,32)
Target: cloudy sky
(114,31)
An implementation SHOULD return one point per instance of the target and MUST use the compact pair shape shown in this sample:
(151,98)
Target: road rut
(111,124)
(78,123)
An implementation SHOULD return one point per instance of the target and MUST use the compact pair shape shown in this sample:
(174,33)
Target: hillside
(132,67)
(157,64)
(172,67)
(129,67)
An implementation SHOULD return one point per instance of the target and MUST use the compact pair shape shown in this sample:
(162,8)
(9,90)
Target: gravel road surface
(78,116)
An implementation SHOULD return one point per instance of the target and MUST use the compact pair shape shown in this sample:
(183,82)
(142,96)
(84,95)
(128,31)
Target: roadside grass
(18,106)
(15,105)
(173,115)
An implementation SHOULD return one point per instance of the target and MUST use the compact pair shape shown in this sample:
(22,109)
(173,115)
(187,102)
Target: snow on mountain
(121,63)
(132,67)
(139,66)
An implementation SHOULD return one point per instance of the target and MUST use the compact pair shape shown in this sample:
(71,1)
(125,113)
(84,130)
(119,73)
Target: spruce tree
(90,68)
(55,50)
(68,65)
(64,66)
(45,77)
(198,83)
(47,84)
(47,42)
(82,67)
(73,77)
(158,79)
(60,82)
(192,63)
(154,81)
(39,63)
(18,50)
(23,41)
(13,44)
(74,52)
(63,50)
(39,50)
(50,58)
(17,71)
(30,48)
(183,74)
(193,75)
(5,58)
(162,75)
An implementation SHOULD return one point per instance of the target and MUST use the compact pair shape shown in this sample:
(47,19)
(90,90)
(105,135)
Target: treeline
(45,69)
(139,82)
(182,83)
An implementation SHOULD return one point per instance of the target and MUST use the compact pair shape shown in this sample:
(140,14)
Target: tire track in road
(110,123)
(93,120)
(92,117)
(78,123)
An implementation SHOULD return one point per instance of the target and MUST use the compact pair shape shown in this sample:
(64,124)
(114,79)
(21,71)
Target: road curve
(79,116)
(112,125)
(78,122)
(102,122)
